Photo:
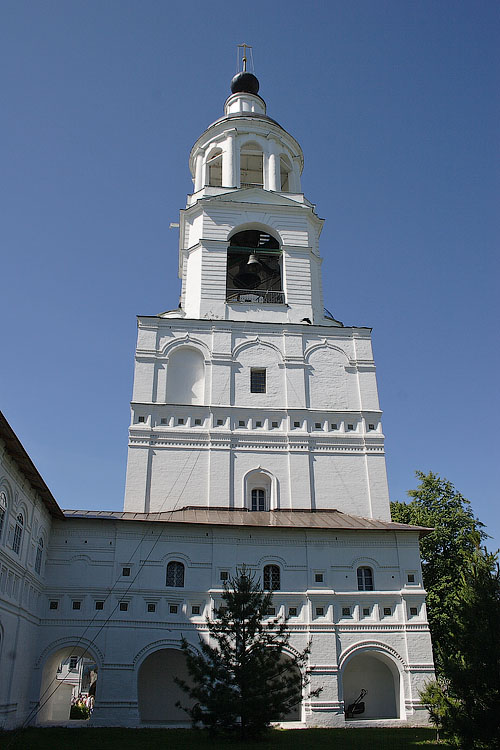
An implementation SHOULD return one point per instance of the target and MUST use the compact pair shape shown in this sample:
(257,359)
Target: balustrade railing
(255,296)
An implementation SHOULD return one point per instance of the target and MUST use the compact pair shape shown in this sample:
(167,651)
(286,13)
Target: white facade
(27,510)
(255,439)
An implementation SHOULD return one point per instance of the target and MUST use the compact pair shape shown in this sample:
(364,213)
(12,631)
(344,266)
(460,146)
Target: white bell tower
(250,396)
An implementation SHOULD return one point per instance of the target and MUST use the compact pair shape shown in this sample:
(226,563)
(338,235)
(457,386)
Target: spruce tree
(241,679)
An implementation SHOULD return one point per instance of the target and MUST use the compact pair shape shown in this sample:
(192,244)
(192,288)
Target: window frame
(271,577)
(365,578)
(4,507)
(258,499)
(176,572)
(18,534)
(38,556)
(258,380)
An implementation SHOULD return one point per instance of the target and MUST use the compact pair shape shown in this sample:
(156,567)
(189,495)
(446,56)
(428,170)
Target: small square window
(320,611)
(257,380)
(99,605)
(197,422)
(317,425)
(195,609)
(366,611)
(258,423)
(292,611)
(77,605)
(220,422)
(180,420)
(318,577)
(73,663)
(334,426)
(413,611)
(224,575)
(387,611)
(125,572)
(350,427)
(274,424)
(164,420)
(271,610)
(241,423)
(371,426)
(346,611)
(173,609)
(296,424)
(141,419)
(151,606)
(411,578)
(123,606)
(53,605)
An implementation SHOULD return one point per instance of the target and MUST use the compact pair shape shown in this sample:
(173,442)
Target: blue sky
(396,106)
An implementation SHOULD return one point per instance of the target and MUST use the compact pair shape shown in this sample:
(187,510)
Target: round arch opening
(295,711)
(69,686)
(254,267)
(157,691)
(375,673)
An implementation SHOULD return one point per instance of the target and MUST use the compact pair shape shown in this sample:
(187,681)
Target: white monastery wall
(87,563)
(22,576)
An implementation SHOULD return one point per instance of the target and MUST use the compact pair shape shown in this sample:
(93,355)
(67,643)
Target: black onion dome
(244,82)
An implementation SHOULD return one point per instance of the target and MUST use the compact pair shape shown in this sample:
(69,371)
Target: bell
(253,260)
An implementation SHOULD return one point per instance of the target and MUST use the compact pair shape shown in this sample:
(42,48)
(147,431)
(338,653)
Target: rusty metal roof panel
(293,519)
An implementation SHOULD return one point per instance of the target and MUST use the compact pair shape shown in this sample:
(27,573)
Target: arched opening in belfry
(214,168)
(254,268)
(285,169)
(157,691)
(251,166)
(69,683)
(375,673)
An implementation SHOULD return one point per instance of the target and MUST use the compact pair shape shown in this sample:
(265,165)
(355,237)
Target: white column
(273,167)
(228,176)
(198,182)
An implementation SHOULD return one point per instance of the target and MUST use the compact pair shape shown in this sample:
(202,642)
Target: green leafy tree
(465,700)
(463,600)
(445,552)
(244,681)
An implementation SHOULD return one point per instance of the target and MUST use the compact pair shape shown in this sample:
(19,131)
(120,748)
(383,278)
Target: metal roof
(285,519)
(26,466)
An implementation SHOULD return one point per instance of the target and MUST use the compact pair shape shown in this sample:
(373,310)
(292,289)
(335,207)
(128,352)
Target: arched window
(259,499)
(18,533)
(285,170)
(272,578)
(365,579)
(254,268)
(251,166)
(258,490)
(38,558)
(214,168)
(3,509)
(175,574)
